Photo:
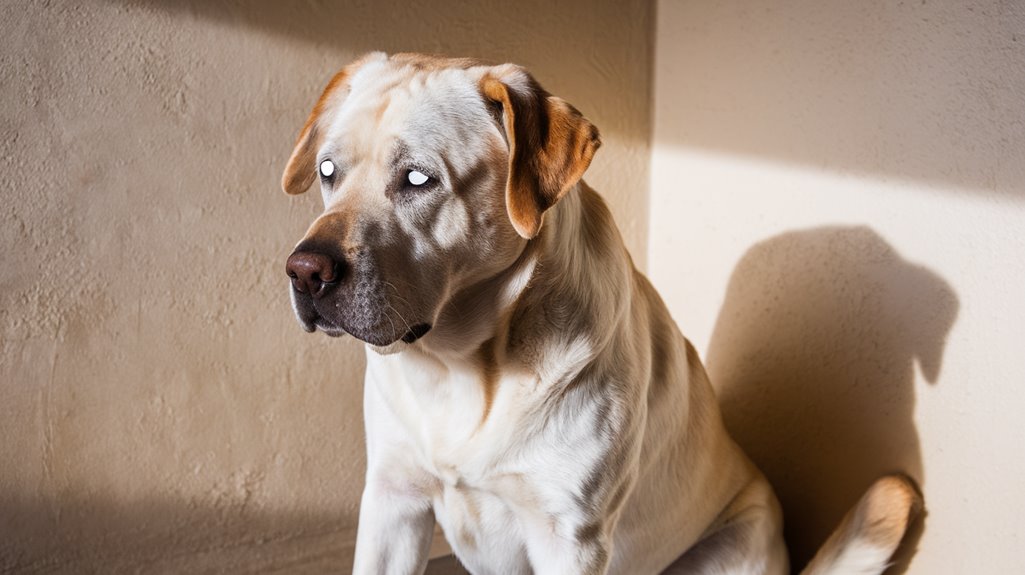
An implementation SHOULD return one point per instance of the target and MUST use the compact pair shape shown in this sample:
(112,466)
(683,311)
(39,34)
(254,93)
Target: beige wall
(838,218)
(160,409)
(837,207)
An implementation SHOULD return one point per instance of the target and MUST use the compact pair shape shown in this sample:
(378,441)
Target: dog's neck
(550,290)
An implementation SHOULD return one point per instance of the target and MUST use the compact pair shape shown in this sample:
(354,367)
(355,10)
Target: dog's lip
(413,334)
(331,330)
(311,320)
(416,332)
(309,324)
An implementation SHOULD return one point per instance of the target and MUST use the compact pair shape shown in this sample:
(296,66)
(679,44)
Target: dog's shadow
(813,356)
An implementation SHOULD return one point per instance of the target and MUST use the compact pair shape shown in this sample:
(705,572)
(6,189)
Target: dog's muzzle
(323,302)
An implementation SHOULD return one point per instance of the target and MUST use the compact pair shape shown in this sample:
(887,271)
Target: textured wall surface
(160,409)
(836,218)
(838,214)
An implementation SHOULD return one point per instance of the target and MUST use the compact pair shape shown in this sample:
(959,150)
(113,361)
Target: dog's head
(435,174)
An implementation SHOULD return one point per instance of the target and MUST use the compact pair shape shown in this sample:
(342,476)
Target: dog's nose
(312,272)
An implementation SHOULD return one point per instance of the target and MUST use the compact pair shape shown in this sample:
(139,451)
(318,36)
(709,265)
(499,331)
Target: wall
(160,409)
(838,210)
(836,220)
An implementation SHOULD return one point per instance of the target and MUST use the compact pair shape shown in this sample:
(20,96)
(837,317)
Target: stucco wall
(837,207)
(160,409)
(838,216)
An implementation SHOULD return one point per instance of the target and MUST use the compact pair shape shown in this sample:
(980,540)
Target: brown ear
(550,145)
(300,172)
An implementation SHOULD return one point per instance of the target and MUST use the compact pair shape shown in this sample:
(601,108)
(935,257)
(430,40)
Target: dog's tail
(869,535)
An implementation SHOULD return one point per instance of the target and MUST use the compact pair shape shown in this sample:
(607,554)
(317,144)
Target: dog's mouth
(312,322)
(412,334)
(416,332)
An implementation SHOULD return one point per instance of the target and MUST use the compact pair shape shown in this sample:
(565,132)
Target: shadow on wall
(167,536)
(604,49)
(813,356)
(163,536)
(596,55)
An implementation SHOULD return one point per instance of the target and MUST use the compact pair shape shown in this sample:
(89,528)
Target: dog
(525,386)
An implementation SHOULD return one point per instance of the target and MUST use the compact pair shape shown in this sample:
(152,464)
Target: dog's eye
(327,169)
(417,178)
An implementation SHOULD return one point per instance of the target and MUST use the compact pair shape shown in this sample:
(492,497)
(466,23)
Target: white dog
(525,386)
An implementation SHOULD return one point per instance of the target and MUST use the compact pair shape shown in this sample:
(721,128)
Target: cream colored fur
(553,419)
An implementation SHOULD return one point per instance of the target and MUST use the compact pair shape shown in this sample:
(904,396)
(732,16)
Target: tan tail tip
(886,510)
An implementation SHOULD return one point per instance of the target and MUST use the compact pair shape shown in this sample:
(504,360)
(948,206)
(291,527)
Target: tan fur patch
(550,146)
(694,365)
(432,63)
(330,232)
(489,375)
(877,523)
(300,171)
(887,509)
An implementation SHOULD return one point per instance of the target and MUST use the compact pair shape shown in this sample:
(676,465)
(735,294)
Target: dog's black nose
(312,272)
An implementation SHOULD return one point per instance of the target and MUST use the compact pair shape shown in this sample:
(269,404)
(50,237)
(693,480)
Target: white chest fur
(493,463)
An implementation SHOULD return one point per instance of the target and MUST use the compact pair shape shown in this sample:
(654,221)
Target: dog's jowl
(525,385)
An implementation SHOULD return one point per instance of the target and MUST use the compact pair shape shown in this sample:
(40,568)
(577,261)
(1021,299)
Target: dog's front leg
(395,530)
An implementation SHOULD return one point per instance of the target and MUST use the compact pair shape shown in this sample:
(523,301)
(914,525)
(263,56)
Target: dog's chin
(382,340)
(387,343)
(381,343)
(394,347)
(382,337)
(409,338)
(311,322)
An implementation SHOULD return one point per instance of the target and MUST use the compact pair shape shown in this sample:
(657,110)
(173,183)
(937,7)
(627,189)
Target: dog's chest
(461,424)
(471,444)
(498,460)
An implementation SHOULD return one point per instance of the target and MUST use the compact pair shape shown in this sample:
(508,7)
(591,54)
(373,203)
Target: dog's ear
(550,144)
(300,172)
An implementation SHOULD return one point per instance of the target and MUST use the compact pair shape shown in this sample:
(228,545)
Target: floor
(447,565)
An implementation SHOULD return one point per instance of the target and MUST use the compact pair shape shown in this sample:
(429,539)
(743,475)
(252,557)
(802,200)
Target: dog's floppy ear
(300,171)
(550,144)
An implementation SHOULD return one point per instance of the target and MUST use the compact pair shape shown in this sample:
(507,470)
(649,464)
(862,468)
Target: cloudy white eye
(417,178)
(327,168)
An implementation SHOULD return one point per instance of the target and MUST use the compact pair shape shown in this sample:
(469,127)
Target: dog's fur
(525,386)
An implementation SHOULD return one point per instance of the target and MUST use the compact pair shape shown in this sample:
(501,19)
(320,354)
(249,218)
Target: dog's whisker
(397,295)
(408,327)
